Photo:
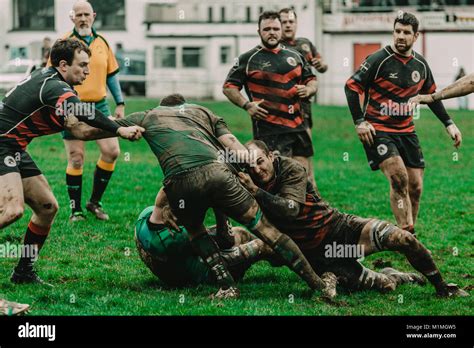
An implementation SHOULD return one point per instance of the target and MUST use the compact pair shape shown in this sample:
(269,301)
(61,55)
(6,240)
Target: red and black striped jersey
(272,75)
(388,81)
(311,225)
(34,108)
(304,46)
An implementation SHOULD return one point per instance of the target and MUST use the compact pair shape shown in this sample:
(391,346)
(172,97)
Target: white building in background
(446,41)
(194,43)
(190,45)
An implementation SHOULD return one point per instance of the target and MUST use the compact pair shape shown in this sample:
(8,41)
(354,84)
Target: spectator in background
(45,51)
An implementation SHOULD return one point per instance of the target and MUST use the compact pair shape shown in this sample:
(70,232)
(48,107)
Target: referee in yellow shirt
(103,72)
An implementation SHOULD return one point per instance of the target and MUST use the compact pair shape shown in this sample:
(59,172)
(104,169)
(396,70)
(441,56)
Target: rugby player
(168,253)
(388,79)
(276,80)
(165,249)
(459,88)
(305,47)
(188,141)
(40,105)
(103,73)
(281,188)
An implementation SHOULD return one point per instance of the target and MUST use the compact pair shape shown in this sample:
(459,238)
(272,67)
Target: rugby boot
(97,210)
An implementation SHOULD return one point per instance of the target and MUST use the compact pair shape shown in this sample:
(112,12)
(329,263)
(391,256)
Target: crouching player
(282,190)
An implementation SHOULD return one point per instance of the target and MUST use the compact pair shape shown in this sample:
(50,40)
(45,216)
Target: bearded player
(187,140)
(388,79)
(281,188)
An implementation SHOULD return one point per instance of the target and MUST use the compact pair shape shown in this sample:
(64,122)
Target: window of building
(248,14)
(209,14)
(193,57)
(33,15)
(223,19)
(110,14)
(225,54)
(164,57)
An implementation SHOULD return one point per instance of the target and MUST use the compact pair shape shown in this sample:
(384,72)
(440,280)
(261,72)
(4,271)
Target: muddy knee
(399,182)
(415,191)
(76,159)
(48,209)
(403,241)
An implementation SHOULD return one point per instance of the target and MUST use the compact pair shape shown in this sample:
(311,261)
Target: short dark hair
(260,144)
(287,10)
(173,100)
(407,18)
(268,15)
(65,49)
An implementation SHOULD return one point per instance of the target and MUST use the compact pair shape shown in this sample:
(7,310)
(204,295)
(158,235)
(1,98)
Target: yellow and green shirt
(102,65)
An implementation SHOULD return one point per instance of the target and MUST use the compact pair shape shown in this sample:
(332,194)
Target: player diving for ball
(287,198)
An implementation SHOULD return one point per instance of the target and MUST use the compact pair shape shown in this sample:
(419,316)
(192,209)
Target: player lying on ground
(12,308)
(281,188)
(459,88)
(41,105)
(388,79)
(169,254)
(188,141)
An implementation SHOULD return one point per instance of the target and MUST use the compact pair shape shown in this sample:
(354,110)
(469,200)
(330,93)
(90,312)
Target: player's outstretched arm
(460,88)
(83,131)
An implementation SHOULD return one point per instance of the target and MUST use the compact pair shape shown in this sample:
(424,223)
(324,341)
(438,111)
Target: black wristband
(245,105)
(121,103)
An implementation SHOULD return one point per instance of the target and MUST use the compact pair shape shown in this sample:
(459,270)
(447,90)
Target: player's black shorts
(193,192)
(338,251)
(290,144)
(388,145)
(17,161)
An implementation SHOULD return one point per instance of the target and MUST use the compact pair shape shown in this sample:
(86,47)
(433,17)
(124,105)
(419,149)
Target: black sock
(32,240)
(74,190)
(436,280)
(101,180)
(207,248)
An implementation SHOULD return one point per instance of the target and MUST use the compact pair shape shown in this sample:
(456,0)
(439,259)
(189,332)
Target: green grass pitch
(96,269)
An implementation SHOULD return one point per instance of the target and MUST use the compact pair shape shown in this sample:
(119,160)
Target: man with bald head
(103,73)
